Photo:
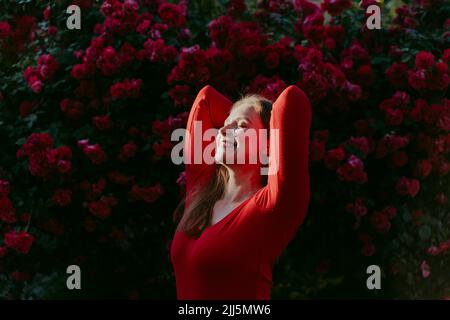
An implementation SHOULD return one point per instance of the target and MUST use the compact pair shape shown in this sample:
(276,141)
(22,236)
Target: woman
(235,225)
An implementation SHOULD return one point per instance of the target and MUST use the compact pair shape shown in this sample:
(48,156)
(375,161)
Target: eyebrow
(244,118)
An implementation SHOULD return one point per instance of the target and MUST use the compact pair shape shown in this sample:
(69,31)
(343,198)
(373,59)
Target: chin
(221,158)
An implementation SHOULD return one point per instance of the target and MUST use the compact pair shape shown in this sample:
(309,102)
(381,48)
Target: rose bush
(86,117)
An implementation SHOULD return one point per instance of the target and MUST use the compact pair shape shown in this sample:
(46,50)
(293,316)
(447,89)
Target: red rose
(120,178)
(354,91)
(21,242)
(380,222)
(444,168)
(353,170)
(28,72)
(36,86)
(272,60)
(358,209)
(433,251)
(102,123)
(444,123)
(62,197)
(133,87)
(390,212)
(330,44)
(39,164)
(47,66)
(99,209)
(5,188)
(360,143)
(3,251)
(63,166)
(393,117)
(7,211)
(109,200)
(446,55)
(144,26)
(335,7)
(399,158)
(417,79)
(365,75)
(444,246)
(148,194)
(333,157)
(20,276)
(78,71)
(172,14)
(423,169)
(128,88)
(368,249)
(317,150)
(424,60)
(63,152)
(5,29)
(408,187)
(127,151)
(108,62)
(95,153)
(157,30)
(236,7)
(131,5)
(126,54)
(180,95)
(397,74)
(416,113)
(47,13)
(37,142)
(441,67)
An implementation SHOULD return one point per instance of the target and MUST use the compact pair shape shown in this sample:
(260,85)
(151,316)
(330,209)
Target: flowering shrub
(86,117)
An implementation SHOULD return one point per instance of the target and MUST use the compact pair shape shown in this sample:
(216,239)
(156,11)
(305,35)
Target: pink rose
(425,268)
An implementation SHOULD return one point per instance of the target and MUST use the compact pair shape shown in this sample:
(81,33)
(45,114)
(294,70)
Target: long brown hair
(198,215)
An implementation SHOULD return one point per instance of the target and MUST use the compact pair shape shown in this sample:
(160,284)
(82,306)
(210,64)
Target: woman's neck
(242,183)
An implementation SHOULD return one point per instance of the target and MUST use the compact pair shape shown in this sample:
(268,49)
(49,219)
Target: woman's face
(238,140)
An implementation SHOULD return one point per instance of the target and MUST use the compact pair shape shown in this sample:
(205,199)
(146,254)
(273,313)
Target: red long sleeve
(210,108)
(233,259)
(288,191)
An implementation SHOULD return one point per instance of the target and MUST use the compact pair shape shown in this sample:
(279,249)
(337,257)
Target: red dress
(233,259)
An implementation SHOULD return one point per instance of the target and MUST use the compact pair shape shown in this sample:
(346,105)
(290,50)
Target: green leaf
(21,141)
(425,232)
(406,215)
(31,119)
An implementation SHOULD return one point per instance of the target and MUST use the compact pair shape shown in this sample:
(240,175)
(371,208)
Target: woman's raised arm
(209,110)
(288,189)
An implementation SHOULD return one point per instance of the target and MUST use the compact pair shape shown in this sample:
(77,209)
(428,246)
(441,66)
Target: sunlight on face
(239,137)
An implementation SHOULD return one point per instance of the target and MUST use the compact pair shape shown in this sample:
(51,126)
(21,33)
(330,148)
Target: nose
(222,130)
